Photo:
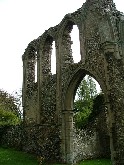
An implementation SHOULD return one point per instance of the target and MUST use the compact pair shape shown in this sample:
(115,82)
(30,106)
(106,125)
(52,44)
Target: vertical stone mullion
(68,132)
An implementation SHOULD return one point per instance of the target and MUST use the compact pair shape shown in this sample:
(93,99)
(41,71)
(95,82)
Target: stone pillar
(110,121)
(118,138)
(121,31)
(24,87)
(82,43)
(67,136)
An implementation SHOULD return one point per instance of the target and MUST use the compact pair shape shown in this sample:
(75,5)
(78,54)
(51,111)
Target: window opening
(75,44)
(53,59)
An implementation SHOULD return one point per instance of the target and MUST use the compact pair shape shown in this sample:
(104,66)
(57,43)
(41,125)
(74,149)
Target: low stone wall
(93,141)
(43,140)
(88,145)
(12,137)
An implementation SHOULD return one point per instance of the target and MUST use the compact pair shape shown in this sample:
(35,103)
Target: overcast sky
(22,21)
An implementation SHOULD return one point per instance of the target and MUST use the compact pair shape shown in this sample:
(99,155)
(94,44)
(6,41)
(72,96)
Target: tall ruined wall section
(48,100)
(39,99)
(30,87)
(101,44)
(39,87)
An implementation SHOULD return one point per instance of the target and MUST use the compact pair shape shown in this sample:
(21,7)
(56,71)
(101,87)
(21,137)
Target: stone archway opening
(91,135)
(49,56)
(71,44)
(89,138)
(86,93)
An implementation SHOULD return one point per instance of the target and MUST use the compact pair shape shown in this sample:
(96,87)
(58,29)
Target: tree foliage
(9,109)
(98,104)
(8,118)
(83,105)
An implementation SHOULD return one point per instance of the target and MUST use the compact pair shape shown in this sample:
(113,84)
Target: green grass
(12,157)
(94,162)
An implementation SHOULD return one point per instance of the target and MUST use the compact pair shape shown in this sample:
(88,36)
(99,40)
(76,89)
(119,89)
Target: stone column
(67,136)
(121,31)
(24,87)
(118,138)
(110,121)
(82,43)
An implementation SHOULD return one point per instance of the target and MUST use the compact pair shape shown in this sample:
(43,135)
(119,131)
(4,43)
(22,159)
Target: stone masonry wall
(93,141)
(101,45)
(34,139)
(90,142)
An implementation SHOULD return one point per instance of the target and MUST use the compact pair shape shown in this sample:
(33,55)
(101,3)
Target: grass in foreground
(95,162)
(12,157)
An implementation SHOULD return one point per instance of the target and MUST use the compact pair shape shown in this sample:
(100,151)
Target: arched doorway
(68,146)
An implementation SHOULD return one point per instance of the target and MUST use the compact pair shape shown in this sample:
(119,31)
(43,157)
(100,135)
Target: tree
(98,105)
(9,110)
(83,105)
(8,118)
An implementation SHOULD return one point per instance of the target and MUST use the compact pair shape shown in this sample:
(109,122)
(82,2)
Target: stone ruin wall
(90,142)
(47,101)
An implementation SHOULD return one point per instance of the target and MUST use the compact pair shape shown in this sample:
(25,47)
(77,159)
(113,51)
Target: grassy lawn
(95,162)
(12,157)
